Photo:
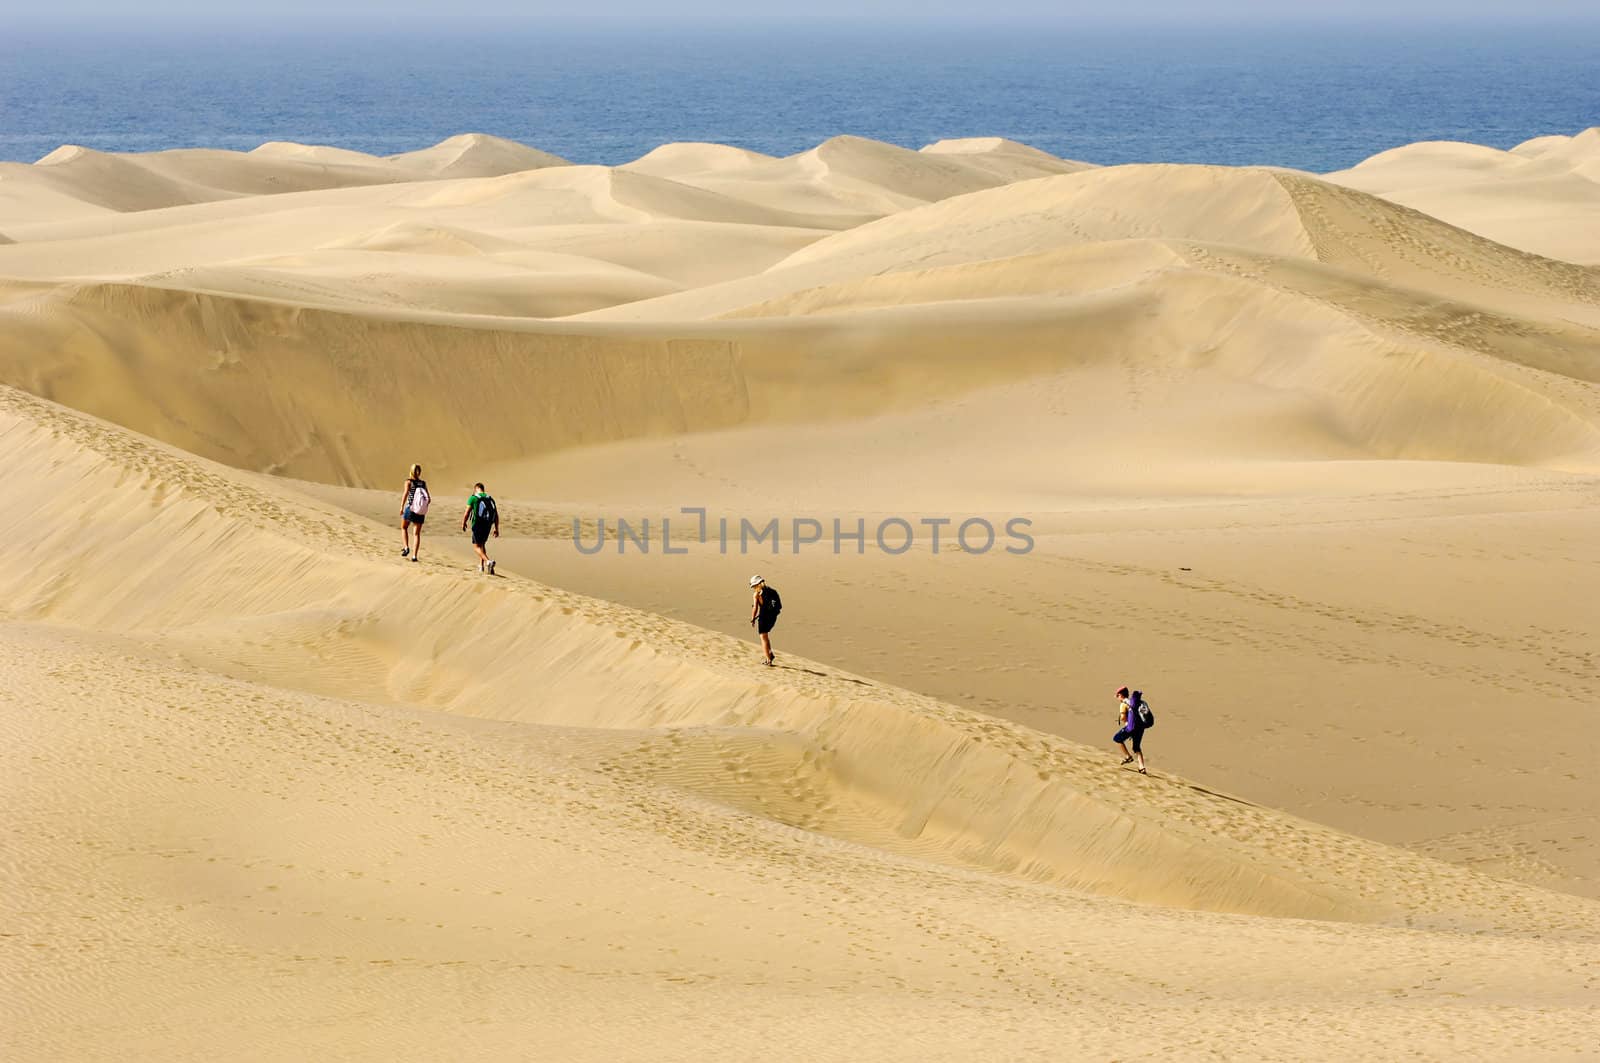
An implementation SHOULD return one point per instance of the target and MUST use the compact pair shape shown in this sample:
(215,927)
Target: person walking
(1133,719)
(764,610)
(485,518)
(414,503)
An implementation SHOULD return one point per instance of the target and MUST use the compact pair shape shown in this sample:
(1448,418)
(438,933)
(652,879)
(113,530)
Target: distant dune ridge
(1312,458)
(1542,196)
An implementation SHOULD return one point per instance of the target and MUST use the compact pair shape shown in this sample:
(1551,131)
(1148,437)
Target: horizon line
(905,24)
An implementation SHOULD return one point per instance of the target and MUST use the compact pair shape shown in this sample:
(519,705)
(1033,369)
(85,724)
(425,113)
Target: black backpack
(777,602)
(487,513)
(1147,719)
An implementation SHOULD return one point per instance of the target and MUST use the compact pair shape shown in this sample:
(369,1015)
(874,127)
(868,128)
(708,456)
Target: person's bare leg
(417,550)
(483,555)
(1126,756)
(405,536)
(766,646)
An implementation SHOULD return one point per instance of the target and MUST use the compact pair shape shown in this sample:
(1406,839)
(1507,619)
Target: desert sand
(1312,460)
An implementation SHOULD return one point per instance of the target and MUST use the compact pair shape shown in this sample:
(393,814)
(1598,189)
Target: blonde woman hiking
(414,501)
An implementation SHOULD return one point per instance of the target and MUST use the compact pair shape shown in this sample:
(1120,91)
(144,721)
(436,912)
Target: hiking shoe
(491,568)
(406,552)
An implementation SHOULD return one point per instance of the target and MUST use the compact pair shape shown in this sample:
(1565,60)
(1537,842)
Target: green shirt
(472,508)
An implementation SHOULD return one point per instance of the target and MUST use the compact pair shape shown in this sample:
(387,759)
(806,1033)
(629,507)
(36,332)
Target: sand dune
(1006,159)
(849,179)
(74,181)
(689,253)
(1310,460)
(682,160)
(320,154)
(507,285)
(1282,215)
(476,155)
(1262,212)
(621,212)
(1382,375)
(1541,196)
(1579,152)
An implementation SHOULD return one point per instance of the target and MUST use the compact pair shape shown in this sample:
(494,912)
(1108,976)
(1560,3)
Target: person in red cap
(1130,725)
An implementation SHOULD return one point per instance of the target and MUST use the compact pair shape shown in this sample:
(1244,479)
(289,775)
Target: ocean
(1318,98)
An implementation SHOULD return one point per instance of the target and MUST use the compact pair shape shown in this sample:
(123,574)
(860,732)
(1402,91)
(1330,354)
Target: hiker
(413,510)
(764,609)
(1133,719)
(485,517)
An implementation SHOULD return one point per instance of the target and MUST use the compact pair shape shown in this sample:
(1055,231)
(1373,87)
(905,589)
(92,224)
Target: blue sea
(1316,97)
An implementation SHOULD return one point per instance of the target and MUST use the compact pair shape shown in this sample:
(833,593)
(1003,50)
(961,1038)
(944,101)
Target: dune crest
(678,160)
(187,176)
(476,155)
(1006,159)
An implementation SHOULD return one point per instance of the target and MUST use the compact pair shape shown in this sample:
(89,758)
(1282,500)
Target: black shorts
(413,518)
(480,532)
(764,624)
(1135,733)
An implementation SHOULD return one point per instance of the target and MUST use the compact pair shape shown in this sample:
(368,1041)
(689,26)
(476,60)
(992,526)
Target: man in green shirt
(485,518)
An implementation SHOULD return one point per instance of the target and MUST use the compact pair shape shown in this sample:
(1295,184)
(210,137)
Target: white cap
(754,580)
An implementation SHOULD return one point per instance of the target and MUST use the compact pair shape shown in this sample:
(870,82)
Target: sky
(744,10)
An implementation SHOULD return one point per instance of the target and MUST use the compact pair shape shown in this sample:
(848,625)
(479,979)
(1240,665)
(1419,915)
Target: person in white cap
(764,612)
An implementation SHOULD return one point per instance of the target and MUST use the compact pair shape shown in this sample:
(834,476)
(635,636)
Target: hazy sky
(975,10)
